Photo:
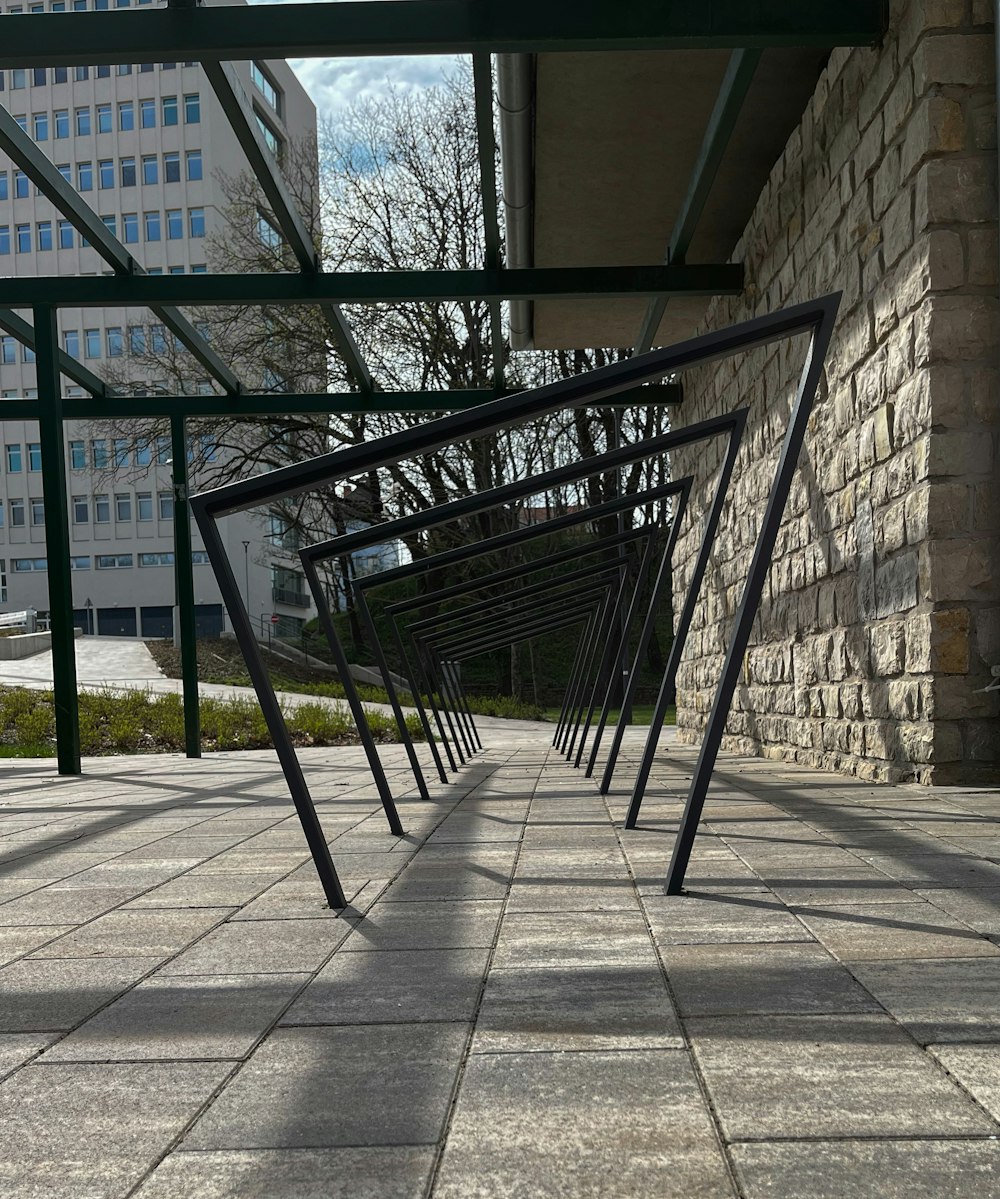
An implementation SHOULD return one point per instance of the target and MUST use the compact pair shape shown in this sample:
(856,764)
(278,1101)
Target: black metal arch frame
(815,319)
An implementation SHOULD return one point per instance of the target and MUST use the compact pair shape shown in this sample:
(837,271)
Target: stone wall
(881,618)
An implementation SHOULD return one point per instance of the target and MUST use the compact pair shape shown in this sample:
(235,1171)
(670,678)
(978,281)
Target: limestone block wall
(881,618)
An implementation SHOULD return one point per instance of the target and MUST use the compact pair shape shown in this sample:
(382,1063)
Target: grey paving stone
(573,939)
(52,906)
(442,884)
(93,1131)
(436,925)
(22,939)
(705,874)
(398,1173)
(204,891)
(135,934)
(978,908)
(917,930)
(794,885)
(298,901)
(392,986)
(826,1076)
(528,1125)
(182,1017)
(387,1084)
(945,999)
(870,1169)
(276,862)
(702,918)
(18,1048)
(723,980)
(47,867)
(551,1010)
(261,947)
(977,1068)
(610,895)
(39,996)
(952,870)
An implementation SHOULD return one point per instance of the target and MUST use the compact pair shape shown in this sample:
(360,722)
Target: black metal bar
(597,626)
(353,699)
(57,544)
(415,690)
(752,589)
(667,692)
(294,778)
(184,588)
(405,27)
(19,328)
(732,93)
(482,75)
(373,287)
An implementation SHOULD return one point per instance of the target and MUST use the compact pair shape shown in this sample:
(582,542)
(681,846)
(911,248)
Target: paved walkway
(511,1007)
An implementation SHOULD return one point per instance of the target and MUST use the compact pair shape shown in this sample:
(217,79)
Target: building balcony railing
(295,599)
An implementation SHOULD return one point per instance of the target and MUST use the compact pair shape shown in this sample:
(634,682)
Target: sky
(335,83)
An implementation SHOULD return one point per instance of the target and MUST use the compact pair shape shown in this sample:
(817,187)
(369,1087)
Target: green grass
(641,714)
(123,722)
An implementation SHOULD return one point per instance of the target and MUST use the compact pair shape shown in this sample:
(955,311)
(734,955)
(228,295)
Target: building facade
(148,147)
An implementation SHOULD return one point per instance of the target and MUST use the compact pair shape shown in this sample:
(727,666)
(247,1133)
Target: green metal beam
(728,105)
(156,407)
(372,287)
(57,542)
(402,27)
(184,588)
(482,72)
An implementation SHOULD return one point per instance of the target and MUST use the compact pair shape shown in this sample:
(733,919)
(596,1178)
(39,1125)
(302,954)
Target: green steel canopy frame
(185,32)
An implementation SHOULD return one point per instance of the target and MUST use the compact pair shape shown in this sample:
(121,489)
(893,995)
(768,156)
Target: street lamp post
(246,575)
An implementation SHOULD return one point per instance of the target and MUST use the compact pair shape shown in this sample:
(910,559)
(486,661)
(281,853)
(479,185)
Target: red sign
(274,618)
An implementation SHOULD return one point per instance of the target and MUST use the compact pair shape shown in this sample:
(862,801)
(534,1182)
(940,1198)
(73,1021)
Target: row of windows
(128,173)
(154,225)
(21,510)
(122,452)
(139,339)
(108,561)
(75,6)
(22,77)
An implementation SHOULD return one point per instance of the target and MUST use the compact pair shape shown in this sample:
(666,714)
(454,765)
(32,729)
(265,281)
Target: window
(18,79)
(150,169)
(162,444)
(111,224)
(151,221)
(165,500)
(192,109)
(4,239)
(22,122)
(116,347)
(137,345)
(99,453)
(175,224)
(34,456)
(38,513)
(8,350)
(44,232)
(71,344)
(175,270)
(20,185)
(106,173)
(104,118)
(112,561)
(84,176)
(81,510)
(66,171)
(27,354)
(123,452)
(266,232)
(270,137)
(265,86)
(40,124)
(102,510)
(193,160)
(147,114)
(17,514)
(130,227)
(83,122)
(38,74)
(123,68)
(60,119)
(144,505)
(199,557)
(14,462)
(123,506)
(27,564)
(92,342)
(81,563)
(162,559)
(4,190)
(209,447)
(23,233)
(59,74)
(196,222)
(65,235)
(77,455)
(126,116)
(81,73)
(198,268)
(146,68)
(169,110)
(103,72)
(128,172)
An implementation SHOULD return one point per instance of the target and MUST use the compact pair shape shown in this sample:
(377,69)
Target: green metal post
(184,588)
(57,544)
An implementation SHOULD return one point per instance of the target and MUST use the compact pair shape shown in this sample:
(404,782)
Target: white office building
(144,145)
